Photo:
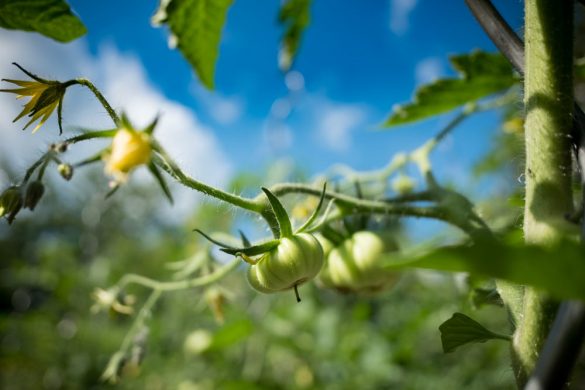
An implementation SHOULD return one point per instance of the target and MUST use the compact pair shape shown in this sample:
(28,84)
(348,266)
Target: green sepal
(323,221)
(280,213)
(253,250)
(150,128)
(245,240)
(315,212)
(161,181)
(214,241)
(332,235)
(125,122)
(92,159)
(460,330)
(113,190)
(90,134)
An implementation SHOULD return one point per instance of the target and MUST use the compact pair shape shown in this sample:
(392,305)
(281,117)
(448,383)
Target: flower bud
(10,203)
(61,147)
(66,171)
(216,301)
(34,193)
(403,184)
(130,149)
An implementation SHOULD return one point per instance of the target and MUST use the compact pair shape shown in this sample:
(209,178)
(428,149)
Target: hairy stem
(100,97)
(452,208)
(179,284)
(166,163)
(549,104)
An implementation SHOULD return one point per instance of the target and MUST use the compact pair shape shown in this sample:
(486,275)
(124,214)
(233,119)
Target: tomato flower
(130,148)
(46,96)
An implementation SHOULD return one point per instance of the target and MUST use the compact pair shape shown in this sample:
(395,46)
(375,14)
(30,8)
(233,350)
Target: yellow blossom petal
(129,150)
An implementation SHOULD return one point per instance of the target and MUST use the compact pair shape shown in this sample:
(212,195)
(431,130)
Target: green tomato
(325,244)
(294,261)
(353,266)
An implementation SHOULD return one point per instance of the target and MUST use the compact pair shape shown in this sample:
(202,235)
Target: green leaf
(52,18)
(481,74)
(460,330)
(559,270)
(196,25)
(295,16)
(280,213)
(231,334)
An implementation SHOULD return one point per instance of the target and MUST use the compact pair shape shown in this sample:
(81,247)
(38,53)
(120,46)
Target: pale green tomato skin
(325,244)
(294,261)
(354,265)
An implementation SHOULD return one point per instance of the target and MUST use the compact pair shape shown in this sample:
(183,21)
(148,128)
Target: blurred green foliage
(50,340)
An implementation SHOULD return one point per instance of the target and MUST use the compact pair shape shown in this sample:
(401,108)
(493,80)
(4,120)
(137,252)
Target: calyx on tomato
(354,265)
(287,261)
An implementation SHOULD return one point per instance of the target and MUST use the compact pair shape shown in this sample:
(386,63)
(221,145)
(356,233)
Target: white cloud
(336,123)
(225,110)
(122,78)
(399,15)
(278,135)
(427,70)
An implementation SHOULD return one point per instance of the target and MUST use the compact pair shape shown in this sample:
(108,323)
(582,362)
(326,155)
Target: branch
(500,32)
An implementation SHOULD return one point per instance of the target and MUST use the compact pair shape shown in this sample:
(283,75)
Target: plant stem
(549,104)
(457,216)
(100,97)
(179,284)
(166,163)
(401,159)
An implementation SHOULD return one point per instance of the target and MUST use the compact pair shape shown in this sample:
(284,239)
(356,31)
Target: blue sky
(358,59)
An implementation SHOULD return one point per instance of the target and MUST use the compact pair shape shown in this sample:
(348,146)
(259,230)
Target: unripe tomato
(296,260)
(325,244)
(354,265)
(129,149)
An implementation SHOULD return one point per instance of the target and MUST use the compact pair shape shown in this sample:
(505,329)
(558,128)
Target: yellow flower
(130,149)
(46,96)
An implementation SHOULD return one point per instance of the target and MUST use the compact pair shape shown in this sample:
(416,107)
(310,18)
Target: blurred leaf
(240,385)
(485,296)
(505,154)
(232,333)
(52,18)
(295,16)
(559,270)
(460,330)
(482,74)
(196,25)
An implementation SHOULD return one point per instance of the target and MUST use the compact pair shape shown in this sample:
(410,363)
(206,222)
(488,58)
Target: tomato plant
(530,277)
